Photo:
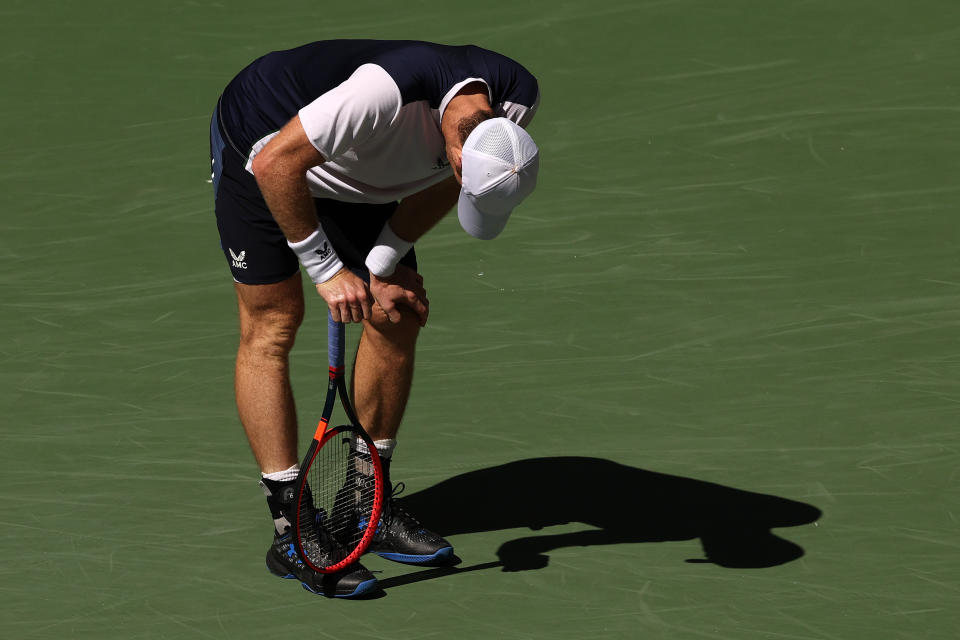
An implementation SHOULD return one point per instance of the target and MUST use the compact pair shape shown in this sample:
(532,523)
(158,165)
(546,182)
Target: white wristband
(317,256)
(386,254)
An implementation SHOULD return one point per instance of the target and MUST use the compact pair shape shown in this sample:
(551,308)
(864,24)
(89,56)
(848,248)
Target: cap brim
(479,225)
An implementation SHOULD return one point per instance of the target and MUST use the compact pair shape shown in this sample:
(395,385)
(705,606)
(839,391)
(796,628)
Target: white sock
(384,447)
(283,476)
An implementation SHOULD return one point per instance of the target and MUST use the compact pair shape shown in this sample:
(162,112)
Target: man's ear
(455,158)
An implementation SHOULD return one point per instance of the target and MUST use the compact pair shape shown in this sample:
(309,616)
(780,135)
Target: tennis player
(337,157)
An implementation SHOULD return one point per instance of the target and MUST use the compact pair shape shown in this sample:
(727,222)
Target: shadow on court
(618,504)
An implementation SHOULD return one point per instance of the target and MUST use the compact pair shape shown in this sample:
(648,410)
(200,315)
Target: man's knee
(269,318)
(401,336)
(272,334)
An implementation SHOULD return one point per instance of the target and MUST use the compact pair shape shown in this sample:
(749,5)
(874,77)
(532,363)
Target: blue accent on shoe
(442,554)
(362,588)
(363,525)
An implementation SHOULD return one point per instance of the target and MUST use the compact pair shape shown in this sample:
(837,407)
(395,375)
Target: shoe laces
(392,511)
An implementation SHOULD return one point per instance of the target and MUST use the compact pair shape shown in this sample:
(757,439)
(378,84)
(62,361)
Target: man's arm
(420,212)
(281,172)
(415,215)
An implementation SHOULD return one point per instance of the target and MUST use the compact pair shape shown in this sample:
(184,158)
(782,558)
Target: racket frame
(336,386)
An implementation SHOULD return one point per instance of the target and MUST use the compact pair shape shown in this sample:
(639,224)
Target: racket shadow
(617,503)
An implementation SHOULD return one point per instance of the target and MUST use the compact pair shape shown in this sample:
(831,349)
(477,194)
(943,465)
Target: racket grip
(335,342)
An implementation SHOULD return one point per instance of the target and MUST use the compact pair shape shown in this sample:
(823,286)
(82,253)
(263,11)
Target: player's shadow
(617,504)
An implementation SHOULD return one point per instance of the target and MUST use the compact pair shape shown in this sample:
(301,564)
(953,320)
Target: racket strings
(336,506)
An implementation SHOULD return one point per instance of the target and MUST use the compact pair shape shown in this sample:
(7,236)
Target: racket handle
(335,342)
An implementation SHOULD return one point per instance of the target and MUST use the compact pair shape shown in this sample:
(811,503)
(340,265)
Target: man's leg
(270,315)
(382,379)
(383,372)
(269,318)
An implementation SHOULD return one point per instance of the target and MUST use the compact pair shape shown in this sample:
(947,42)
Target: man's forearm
(280,169)
(290,202)
(421,211)
(288,197)
(415,215)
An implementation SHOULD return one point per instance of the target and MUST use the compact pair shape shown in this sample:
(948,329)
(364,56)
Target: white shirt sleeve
(518,113)
(353,112)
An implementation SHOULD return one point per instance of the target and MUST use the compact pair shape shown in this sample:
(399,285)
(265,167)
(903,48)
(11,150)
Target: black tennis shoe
(284,561)
(400,537)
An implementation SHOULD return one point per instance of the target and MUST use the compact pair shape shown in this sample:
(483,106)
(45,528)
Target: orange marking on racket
(321,428)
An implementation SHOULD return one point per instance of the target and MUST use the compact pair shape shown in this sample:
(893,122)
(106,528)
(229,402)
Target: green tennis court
(704,386)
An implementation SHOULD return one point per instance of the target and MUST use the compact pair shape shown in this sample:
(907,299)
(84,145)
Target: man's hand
(403,288)
(347,296)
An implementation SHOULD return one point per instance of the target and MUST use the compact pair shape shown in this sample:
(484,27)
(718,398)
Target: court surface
(705,385)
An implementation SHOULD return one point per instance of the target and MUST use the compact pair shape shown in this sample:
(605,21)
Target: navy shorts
(252,243)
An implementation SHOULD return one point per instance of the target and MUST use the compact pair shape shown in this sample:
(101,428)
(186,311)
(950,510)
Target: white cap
(499,170)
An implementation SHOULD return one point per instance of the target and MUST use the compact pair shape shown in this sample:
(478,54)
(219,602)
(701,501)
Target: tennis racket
(340,486)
